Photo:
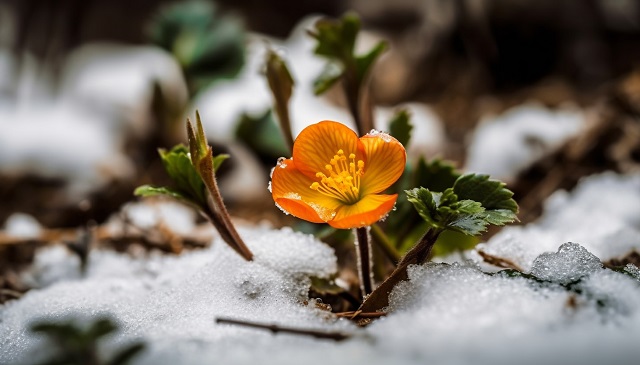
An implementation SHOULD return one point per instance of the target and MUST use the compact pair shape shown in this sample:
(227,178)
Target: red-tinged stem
(379,298)
(223,223)
(364,260)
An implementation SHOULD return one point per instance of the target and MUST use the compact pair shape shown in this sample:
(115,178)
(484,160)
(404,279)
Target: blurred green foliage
(77,344)
(208,45)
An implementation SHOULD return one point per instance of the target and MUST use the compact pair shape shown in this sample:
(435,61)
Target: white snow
(22,225)
(504,145)
(602,214)
(78,133)
(569,264)
(580,313)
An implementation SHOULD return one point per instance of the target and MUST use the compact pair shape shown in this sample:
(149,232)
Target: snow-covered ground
(445,314)
(504,145)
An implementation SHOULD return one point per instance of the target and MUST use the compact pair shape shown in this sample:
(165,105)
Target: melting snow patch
(569,264)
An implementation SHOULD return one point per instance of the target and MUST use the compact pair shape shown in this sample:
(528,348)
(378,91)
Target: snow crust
(575,312)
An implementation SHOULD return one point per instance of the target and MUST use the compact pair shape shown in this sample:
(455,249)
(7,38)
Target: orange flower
(335,177)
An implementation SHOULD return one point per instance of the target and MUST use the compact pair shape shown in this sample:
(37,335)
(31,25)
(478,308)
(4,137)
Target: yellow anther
(343,182)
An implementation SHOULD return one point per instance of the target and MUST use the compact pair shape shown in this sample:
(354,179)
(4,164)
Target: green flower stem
(385,243)
(379,298)
(364,260)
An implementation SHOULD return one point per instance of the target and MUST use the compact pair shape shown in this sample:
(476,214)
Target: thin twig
(499,261)
(360,314)
(336,336)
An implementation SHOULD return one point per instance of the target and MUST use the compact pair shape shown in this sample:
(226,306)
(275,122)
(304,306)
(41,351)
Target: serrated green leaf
(425,203)
(400,127)
(336,39)
(435,175)
(468,218)
(445,211)
(492,194)
(327,78)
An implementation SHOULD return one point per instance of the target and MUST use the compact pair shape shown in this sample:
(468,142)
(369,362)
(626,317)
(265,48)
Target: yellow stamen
(343,182)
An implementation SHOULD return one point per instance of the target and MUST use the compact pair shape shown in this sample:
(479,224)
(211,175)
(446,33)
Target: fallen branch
(336,336)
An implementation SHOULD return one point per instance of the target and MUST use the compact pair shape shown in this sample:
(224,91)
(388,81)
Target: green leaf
(468,218)
(208,45)
(444,211)
(261,134)
(331,73)
(336,37)
(189,186)
(336,40)
(435,175)
(365,62)
(218,160)
(400,127)
(492,194)
(148,190)
(425,202)
(281,84)
(183,174)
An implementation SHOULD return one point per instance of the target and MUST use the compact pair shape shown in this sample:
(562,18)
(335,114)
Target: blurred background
(538,93)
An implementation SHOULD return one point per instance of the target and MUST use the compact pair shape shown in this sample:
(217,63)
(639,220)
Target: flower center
(343,181)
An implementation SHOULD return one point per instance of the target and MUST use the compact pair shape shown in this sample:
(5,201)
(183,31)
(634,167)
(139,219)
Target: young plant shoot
(193,173)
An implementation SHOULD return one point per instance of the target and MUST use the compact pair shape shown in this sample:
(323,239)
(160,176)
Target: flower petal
(386,159)
(365,212)
(316,145)
(290,190)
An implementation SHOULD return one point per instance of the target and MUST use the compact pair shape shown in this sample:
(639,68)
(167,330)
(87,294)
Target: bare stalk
(364,260)
(336,336)
(223,222)
(379,298)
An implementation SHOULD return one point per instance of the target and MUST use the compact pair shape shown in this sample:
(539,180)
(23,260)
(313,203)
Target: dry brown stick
(336,336)
(360,314)
(499,261)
